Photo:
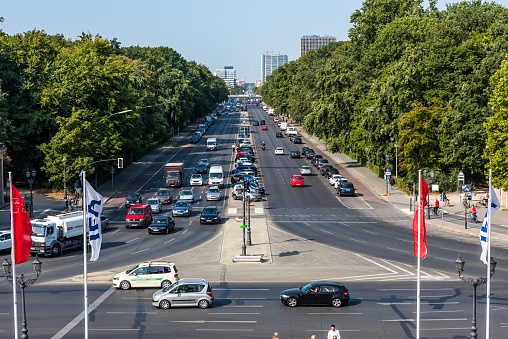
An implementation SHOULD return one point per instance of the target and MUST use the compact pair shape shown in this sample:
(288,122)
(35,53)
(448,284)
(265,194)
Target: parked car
(156,204)
(210,214)
(305,170)
(196,180)
(161,225)
(331,171)
(147,274)
(213,193)
(186,292)
(187,195)
(324,168)
(164,195)
(297,180)
(295,154)
(346,188)
(181,208)
(316,293)
(133,199)
(334,178)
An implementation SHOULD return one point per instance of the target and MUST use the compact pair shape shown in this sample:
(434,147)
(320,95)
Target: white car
(342,179)
(147,274)
(196,180)
(244,163)
(187,195)
(5,240)
(279,151)
(156,204)
(334,178)
(305,170)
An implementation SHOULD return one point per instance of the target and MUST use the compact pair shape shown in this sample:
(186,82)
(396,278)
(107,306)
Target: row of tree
(56,96)
(434,81)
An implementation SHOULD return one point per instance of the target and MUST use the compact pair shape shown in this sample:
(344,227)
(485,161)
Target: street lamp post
(22,283)
(64,161)
(387,156)
(428,179)
(475,282)
(392,139)
(30,176)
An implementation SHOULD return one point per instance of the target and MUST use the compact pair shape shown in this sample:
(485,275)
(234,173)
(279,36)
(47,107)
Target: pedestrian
(275,335)
(392,182)
(333,333)
(313,336)
(436,206)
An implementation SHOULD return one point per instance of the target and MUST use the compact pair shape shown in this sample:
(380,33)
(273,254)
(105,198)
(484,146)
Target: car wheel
(203,303)
(165,284)
(336,302)
(125,285)
(167,230)
(292,302)
(164,304)
(56,250)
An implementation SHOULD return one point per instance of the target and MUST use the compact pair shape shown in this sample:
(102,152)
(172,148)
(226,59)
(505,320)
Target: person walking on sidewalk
(436,206)
(392,182)
(333,333)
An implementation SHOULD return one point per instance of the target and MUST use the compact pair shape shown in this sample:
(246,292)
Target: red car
(297,180)
(264,127)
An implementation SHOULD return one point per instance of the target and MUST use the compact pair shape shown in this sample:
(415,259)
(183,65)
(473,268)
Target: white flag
(484,231)
(93,218)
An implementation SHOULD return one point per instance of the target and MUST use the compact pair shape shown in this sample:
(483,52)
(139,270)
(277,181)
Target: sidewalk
(453,218)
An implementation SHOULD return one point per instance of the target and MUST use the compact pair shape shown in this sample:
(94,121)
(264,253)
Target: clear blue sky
(214,33)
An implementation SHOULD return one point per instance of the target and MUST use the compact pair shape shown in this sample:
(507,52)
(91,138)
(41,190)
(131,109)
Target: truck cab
(216,176)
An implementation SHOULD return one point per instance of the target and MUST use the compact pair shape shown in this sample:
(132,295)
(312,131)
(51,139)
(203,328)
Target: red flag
(22,228)
(424,190)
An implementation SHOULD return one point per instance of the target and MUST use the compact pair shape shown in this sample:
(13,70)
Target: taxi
(147,274)
(297,180)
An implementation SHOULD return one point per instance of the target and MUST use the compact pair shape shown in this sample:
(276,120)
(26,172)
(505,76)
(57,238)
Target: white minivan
(147,274)
(211,144)
(216,176)
(291,131)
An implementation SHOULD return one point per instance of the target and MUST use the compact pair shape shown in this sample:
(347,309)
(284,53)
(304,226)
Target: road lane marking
(225,329)
(338,313)
(243,305)
(322,230)
(363,242)
(131,312)
(146,249)
(215,321)
(403,320)
(81,316)
(453,311)
(407,252)
(169,240)
(131,240)
(370,232)
(232,313)
(414,303)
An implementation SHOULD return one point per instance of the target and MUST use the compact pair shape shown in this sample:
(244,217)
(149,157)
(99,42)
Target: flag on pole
(22,236)
(420,212)
(484,231)
(93,211)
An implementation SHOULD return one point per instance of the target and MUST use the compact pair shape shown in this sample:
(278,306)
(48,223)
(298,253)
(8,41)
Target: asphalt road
(382,306)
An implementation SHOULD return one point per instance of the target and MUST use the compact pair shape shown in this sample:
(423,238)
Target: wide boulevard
(362,241)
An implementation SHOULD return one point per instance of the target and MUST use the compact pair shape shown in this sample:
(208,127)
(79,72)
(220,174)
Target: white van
(216,176)
(291,131)
(147,274)
(211,144)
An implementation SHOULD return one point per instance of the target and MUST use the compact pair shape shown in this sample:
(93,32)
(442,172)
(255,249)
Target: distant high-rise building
(228,73)
(313,42)
(270,62)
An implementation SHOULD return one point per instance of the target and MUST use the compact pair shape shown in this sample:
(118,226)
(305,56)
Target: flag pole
(13,260)
(419,211)
(85,249)
(489,218)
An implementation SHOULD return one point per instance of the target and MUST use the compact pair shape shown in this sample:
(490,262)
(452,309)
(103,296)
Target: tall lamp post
(392,139)
(30,176)
(2,150)
(387,156)
(64,161)
(428,179)
(475,282)
(22,283)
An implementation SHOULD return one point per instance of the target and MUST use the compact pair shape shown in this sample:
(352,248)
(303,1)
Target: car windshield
(38,231)
(298,177)
(209,210)
(306,167)
(132,196)
(173,175)
(152,201)
(162,193)
(306,287)
(170,287)
(181,204)
(196,176)
(347,185)
(215,175)
(213,190)
(160,221)
(132,269)
(186,193)
(136,211)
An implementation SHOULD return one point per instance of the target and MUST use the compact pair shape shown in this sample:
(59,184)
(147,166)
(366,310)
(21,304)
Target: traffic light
(410,186)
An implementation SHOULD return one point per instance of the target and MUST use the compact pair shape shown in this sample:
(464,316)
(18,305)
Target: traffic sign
(387,171)
(466,188)
(388,176)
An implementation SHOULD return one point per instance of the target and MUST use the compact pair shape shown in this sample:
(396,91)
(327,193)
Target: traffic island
(248,258)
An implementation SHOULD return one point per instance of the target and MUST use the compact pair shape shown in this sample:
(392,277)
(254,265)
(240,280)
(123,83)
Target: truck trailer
(173,174)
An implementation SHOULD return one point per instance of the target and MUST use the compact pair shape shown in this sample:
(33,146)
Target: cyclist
(436,206)
(263,145)
(473,213)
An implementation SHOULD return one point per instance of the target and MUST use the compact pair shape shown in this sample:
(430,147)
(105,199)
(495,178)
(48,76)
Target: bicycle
(474,219)
(446,202)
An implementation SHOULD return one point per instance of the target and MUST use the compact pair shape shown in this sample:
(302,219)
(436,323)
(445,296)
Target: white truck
(291,131)
(211,144)
(57,233)
(283,126)
(216,176)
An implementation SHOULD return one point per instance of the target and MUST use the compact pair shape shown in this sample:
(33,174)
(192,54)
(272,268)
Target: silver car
(185,292)
(187,195)
(213,193)
(156,204)
(305,170)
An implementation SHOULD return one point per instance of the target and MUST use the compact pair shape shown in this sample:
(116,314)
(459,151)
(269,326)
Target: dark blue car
(346,188)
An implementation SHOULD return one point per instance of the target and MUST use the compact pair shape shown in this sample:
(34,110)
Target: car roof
(139,206)
(151,263)
(327,283)
(192,280)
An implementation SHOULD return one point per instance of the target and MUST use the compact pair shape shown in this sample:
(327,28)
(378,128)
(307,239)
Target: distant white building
(313,42)
(228,73)
(270,62)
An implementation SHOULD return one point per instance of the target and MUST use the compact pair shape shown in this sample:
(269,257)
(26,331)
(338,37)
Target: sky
(214,33)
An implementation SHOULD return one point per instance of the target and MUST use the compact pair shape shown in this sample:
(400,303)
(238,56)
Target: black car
(278,135)
(346,188)
(324,168)
(262,122)
(255,123)
(316,293)
(161,225)
(309,154)
(201,168)
(194,138)
(315,158)
(295,154)
(331,172)
(210,214)
(297,140)
(133,199)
